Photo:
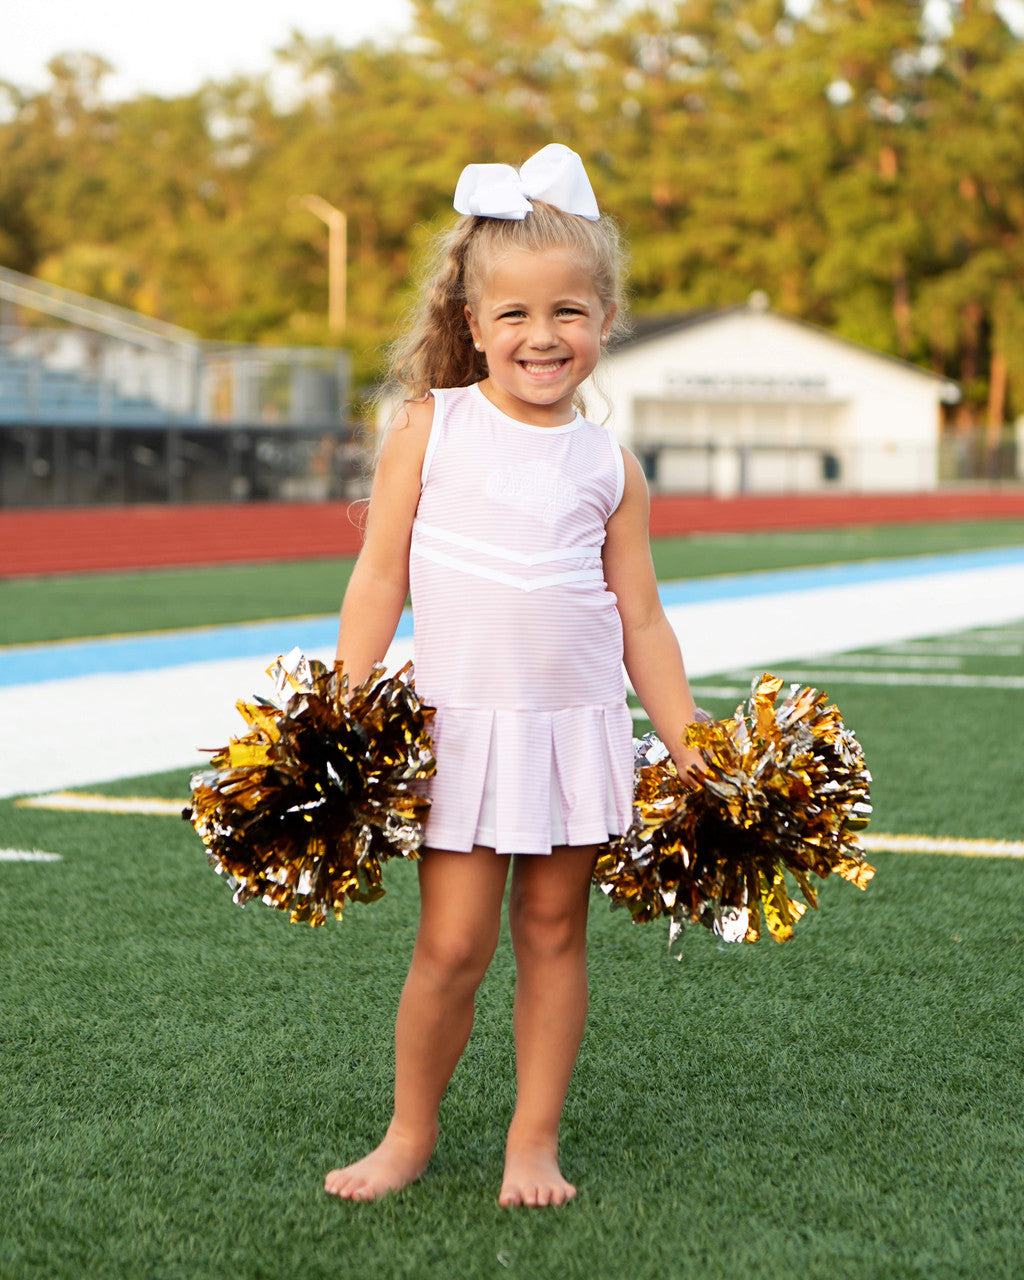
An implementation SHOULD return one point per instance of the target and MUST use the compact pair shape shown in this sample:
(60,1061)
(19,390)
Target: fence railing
(59,465)
(88,465)
(768,467)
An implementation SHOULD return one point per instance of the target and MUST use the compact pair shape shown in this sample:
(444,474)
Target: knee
(546,929)
(453,959)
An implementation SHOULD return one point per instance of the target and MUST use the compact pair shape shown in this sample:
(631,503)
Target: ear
(474,327)
(606,324)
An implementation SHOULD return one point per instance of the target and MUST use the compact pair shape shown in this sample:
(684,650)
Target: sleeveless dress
(517,639)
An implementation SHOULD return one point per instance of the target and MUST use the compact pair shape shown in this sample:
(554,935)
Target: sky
(171,48)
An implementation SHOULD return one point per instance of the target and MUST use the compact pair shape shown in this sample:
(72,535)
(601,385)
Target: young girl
(521,529)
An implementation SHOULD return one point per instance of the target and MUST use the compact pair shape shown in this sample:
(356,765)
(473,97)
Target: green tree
(858,160)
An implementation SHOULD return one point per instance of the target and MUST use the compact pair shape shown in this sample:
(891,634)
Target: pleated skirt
(523,781)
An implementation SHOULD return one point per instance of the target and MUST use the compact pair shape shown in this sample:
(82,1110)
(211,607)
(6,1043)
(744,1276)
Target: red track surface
(135,537)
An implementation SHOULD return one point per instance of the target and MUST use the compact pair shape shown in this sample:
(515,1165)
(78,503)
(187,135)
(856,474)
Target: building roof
(648,328)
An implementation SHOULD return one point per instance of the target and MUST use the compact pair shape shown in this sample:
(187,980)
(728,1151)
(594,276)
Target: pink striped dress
(518,642)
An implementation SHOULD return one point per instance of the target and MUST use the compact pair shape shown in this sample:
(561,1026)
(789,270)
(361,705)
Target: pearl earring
(479,346)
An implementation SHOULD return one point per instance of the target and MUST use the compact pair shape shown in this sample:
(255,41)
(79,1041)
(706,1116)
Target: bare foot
(389,1167)
(533,1178)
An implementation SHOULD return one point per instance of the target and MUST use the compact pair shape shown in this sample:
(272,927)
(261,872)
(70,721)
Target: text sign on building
(746,387)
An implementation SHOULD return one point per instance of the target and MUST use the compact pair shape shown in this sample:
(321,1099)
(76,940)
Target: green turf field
(179,1073)
(108,603)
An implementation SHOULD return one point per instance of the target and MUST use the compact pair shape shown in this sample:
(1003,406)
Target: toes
(354,1191)
(345,1187)
(538,1187)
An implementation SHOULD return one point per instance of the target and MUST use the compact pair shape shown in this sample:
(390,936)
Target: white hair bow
(555,175)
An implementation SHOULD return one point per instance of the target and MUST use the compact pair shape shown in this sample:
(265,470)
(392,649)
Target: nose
(542,334)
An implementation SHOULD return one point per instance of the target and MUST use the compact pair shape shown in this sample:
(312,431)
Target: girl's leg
(548,920)
(460,912)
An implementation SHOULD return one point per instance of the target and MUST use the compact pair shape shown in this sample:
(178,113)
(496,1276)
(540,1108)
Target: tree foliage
(861,161)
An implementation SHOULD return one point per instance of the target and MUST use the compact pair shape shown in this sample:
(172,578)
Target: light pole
(337,252)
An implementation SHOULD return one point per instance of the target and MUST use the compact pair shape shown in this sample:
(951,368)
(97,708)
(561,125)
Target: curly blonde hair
(437,348)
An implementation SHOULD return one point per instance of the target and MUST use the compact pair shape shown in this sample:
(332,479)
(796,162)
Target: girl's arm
(651,652)
(379,585)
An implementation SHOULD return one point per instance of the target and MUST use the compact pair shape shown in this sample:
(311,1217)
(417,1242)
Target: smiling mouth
(544,366)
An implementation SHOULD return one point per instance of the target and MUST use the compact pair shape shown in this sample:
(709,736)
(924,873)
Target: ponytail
(437,350)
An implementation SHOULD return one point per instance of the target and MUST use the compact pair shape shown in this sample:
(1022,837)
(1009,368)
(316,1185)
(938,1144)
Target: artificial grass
(36,610)
(179,1074)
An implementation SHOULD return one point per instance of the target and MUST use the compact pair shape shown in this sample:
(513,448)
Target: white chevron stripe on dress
(507,579)
(503,553)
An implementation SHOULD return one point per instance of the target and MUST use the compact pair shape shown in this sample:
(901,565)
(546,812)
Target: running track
(77,540)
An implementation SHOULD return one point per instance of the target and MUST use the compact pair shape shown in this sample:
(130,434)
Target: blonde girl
(521,529)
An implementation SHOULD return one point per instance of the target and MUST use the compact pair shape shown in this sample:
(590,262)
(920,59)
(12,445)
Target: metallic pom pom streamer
(302,810)
(785,789)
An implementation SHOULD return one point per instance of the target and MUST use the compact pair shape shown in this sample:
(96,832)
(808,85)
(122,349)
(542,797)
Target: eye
(570,311)
(514,313)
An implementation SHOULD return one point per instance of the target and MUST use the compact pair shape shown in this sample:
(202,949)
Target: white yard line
(950,680)
(27,855)
(889,661)
(721,690)
(957,649)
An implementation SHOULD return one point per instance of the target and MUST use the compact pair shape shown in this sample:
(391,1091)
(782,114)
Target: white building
(747,400)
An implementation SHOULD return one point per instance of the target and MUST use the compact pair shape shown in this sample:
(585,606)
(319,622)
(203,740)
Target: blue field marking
(63,660)
(773,581)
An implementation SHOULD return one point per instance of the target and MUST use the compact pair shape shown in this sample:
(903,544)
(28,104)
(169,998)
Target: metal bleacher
(100,404)
(30,391)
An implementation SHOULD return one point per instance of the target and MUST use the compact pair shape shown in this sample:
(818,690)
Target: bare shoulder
(635,498)
(405,441)
(414,415)
(634,471)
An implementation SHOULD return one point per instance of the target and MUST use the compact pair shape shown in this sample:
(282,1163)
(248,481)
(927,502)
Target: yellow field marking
(91,802)
(876,842)
(872,842)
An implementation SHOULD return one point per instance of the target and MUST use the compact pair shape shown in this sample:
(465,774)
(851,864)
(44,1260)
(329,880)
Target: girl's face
(540,323)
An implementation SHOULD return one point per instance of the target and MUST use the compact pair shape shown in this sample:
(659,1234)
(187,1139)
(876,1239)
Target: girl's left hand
(689,765)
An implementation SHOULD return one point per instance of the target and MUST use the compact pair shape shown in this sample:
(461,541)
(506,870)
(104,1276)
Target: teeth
(536,366)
